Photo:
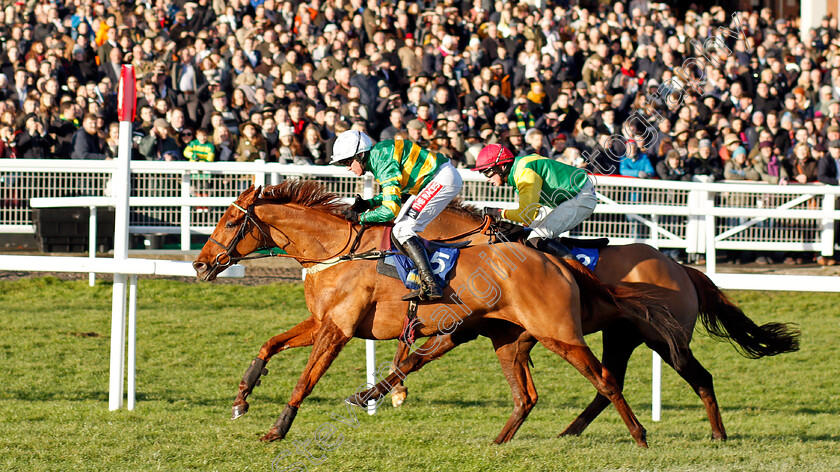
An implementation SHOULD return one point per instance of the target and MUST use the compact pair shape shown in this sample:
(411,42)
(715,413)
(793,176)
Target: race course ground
(196,340)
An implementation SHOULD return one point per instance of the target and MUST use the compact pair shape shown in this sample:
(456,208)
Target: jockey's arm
(386,206)
(529,184)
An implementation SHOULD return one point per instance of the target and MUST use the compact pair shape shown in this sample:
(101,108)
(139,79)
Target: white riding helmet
(349,144)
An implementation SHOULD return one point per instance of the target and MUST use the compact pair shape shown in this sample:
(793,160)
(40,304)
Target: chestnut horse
(503,283)
(686,292)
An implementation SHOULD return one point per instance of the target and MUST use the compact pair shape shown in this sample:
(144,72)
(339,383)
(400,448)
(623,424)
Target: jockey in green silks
(400,167)
(553,197)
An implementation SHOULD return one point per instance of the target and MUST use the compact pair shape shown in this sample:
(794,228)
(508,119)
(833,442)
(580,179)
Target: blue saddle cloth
(441,258)
(586,256)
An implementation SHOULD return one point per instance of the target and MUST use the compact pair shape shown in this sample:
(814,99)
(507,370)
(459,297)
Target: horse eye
(230,224)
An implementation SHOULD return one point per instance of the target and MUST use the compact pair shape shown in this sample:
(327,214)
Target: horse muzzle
(204,271)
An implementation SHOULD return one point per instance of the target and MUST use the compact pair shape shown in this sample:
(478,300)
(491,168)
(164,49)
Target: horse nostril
(199,266)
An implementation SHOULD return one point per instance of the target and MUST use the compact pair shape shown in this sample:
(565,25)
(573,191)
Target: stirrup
(415,295)
(424,294)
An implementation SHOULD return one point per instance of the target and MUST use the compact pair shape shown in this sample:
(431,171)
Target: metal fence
(746,216)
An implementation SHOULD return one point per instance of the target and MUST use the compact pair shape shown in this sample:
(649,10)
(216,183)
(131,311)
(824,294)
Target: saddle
(387,266)
(442,255)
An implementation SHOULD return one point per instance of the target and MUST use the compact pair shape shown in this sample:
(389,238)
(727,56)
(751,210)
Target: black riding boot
(429,289)
(551,246)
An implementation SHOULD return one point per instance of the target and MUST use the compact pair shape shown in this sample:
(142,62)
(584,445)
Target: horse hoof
(356,400)
(271,436)
(642,440)
(573,429)
(239,410)
(397,398)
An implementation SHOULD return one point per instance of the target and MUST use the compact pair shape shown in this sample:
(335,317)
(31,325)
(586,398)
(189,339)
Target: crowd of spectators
(277,80)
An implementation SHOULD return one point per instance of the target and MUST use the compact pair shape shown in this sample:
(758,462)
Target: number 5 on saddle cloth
(442,259)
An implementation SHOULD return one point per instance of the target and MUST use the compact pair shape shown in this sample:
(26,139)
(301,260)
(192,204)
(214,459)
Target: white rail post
(186,181)
(691,226)
(122,184)
(92,242)
(132,340)
(259,176)
(711,253)
(656,361)
(370,345)
(656,387)
(827,233)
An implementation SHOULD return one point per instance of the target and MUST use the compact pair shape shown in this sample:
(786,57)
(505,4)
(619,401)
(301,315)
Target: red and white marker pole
(127,96)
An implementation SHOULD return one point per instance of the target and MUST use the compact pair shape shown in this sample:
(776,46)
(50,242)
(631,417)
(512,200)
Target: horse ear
(249,195)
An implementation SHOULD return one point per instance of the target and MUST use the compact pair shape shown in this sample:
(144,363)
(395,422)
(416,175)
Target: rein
(225,259)
(482,228)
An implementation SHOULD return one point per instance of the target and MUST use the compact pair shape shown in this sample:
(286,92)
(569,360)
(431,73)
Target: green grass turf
(196,340)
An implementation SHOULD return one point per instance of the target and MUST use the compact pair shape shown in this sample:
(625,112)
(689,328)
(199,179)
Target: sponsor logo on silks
(422,199)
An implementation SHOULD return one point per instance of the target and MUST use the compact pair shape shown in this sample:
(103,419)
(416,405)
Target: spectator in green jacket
(200,149)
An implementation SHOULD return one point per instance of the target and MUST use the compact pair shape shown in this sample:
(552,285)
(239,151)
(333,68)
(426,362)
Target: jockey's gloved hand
(352,215)
(495,213)
(360,205)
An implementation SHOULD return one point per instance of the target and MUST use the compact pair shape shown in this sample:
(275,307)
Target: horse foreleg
(432,349)
(299,336)
(587,364)
(329,341)
(399,391)
(513,346)
(619,343)
(701,381)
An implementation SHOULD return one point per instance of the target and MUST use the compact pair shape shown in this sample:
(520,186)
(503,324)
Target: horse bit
(240,234)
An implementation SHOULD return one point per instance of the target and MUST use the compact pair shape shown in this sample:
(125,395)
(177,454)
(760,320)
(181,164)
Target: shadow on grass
(733,439)
(42,396)
(753,409)
(102,396)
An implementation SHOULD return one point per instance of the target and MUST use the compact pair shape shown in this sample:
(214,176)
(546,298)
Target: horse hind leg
(701,381)
(513,349)
(432,349)
(299,336)
(619,343)
(581,357)
(399,392)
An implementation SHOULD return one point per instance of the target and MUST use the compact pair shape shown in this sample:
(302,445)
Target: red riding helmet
(493,155)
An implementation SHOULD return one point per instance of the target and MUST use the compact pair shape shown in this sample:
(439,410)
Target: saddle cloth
(586,251)
(441,256)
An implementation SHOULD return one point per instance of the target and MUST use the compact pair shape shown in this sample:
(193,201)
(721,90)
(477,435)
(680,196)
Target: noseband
(225,259)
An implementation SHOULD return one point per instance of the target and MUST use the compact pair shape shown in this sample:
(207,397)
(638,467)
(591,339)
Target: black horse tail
(725,321)
(632,303)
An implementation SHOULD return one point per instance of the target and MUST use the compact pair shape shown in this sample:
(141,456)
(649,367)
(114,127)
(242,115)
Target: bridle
(224,259)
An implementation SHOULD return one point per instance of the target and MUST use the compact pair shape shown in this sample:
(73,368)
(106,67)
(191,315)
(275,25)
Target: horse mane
(470,211)
(308,193)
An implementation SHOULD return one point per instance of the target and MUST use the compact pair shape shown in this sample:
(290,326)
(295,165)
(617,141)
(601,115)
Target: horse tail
(723,320)
(633,303)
